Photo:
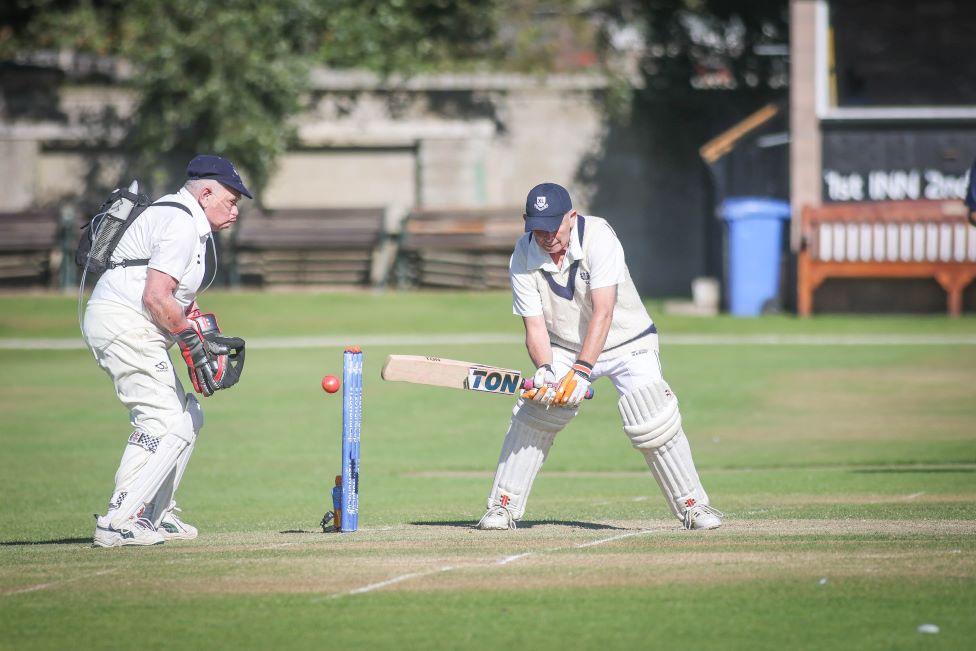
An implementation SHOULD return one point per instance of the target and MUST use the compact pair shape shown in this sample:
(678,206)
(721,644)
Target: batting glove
(542,391)
(574,385)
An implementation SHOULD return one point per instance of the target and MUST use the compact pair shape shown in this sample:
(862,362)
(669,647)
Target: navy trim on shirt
(570,288)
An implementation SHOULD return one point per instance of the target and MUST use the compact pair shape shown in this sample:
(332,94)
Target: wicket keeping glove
(213,360)
(542,391)
(573,387)
(228,351)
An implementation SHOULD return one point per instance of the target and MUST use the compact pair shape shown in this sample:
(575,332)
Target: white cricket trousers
(628,371)
(133,352)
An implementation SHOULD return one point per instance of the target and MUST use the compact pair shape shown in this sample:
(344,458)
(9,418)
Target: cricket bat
(455,374)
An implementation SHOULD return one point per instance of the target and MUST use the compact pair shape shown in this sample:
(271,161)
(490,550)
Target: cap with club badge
(206,166)
(545,207)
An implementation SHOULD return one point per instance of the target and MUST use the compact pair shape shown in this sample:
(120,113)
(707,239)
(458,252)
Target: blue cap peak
(207,166)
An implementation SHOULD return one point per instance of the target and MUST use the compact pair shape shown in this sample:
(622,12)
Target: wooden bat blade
(455,374)
(451,373)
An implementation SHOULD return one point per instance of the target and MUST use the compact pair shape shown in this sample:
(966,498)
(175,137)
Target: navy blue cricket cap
(971,190)
(545,207)
(206,166)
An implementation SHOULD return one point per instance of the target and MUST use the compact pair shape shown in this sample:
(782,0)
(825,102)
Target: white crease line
(504,561)
(44,586)
(630,534)
(913,496)
(388,582)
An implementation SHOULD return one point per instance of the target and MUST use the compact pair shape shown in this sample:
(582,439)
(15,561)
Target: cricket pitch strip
(434,556)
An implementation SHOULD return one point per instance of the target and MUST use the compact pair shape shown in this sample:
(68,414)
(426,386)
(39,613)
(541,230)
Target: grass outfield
(848,475)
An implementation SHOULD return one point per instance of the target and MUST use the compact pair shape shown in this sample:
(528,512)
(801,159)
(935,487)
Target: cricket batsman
(584,320)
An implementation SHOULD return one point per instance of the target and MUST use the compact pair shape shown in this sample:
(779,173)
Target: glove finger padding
(542,390)
(573,387)
(565,388)
(226,354)
(222,345)
(230,359)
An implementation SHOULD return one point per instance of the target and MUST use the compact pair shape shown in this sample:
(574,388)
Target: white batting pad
(158,467)
(163,500)
(194,412)
(653,422)
(527,442)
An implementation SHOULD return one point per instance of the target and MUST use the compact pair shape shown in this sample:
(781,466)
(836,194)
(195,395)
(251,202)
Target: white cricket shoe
(702,516)
(139,531)
(171,527)
(497,518)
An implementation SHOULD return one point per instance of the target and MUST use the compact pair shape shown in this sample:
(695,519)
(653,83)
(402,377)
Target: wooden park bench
(462,248)
(28,240)
(321,246)
(887,239)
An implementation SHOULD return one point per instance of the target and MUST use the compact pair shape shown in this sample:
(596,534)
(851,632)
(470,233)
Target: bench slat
(889,239)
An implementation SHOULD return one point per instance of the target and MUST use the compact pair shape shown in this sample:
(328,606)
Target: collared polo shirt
(174,242)
(561,294)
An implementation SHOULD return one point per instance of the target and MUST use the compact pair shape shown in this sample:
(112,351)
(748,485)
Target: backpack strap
(142,262)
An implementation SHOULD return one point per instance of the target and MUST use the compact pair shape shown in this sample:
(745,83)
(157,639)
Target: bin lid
(737,208)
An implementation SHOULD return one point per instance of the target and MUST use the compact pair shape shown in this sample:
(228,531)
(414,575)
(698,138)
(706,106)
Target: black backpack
(102,233)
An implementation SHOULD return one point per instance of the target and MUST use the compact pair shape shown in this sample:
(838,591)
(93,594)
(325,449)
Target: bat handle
(527,384)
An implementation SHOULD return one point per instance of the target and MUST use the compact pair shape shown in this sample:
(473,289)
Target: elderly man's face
(220,205)
(553,242)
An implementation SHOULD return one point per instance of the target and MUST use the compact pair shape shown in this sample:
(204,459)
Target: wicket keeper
(584,320)
(143,304)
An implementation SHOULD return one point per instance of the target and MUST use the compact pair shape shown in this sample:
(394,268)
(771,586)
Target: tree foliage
(217,78)
(226,76)
(675,48)
(408,35)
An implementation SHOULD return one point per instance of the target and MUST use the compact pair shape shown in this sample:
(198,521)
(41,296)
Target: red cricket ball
(330,383)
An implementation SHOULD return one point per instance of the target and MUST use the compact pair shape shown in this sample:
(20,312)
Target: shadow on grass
(302,531)
(55,541)
(523,524)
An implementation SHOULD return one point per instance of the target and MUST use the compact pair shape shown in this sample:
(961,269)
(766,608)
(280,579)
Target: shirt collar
(199,217)
(539,259)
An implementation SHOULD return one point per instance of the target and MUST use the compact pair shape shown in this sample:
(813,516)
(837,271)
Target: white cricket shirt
(562,294)
(173,241)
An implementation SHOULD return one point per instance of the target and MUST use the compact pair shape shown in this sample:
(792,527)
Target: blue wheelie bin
(755,237)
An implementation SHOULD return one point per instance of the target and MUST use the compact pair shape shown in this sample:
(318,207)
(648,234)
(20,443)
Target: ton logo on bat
(482,379)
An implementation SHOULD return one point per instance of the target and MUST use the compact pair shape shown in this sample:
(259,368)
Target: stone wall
(439,141)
